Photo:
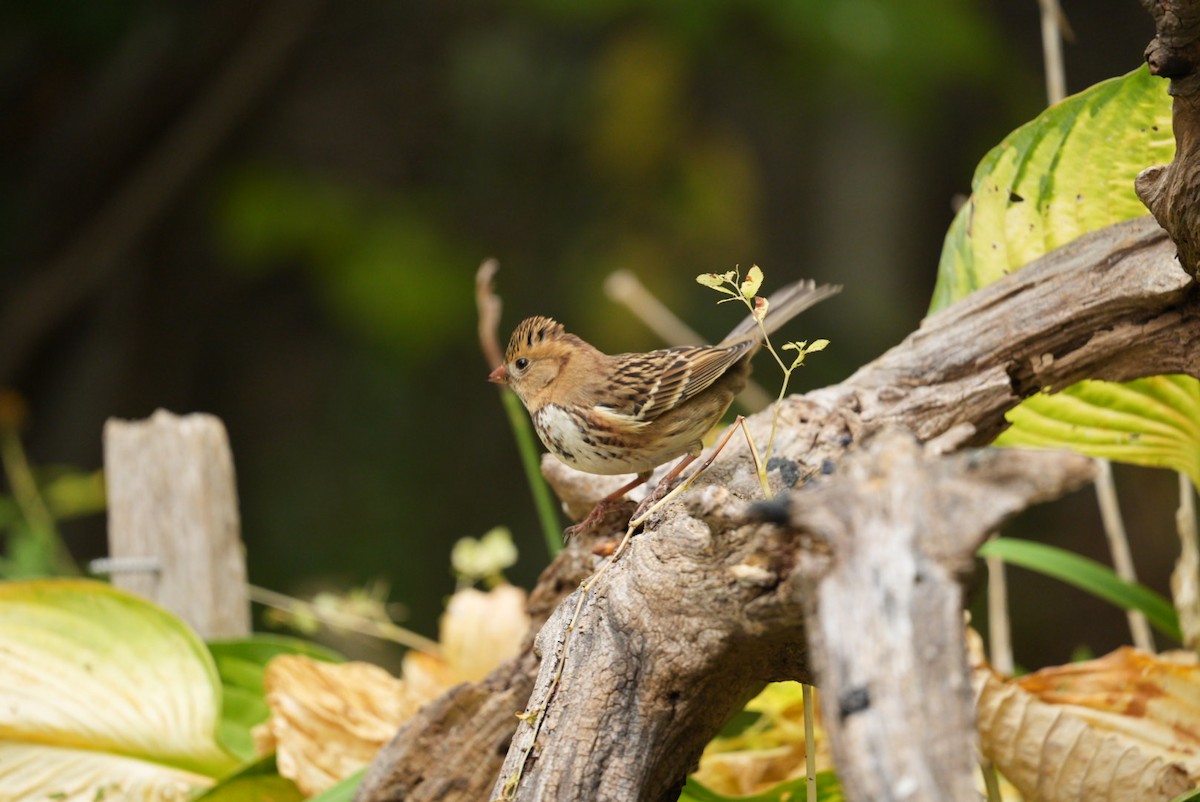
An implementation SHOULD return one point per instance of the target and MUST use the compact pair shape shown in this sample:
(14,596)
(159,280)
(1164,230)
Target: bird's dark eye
(521,363)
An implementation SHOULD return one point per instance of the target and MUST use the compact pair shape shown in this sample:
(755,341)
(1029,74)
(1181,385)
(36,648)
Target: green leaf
(1153,421)
(1188,796)
(1068,172)
(71,493)
(754,280)
(1087,575)
(715,282)
(741,721)
(267,788)
(100,689)
(257,782)
(343,791)
(828,790)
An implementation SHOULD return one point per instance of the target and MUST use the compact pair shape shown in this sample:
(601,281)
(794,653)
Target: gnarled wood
(1170,192)
(885,621)
(710,602)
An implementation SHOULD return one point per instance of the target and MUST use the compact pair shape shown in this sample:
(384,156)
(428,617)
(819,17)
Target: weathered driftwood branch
(709,603)
(452,748)
(1171,192)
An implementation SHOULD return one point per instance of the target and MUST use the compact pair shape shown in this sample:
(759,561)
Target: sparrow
(629,413)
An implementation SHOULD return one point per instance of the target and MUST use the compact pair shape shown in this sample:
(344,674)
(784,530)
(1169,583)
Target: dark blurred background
(273,212)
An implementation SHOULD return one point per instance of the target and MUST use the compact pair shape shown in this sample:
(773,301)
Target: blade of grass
(1087,575)
(543,502)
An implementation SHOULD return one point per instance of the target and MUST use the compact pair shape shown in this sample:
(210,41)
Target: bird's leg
(665,484)
(640,516)
(604,505)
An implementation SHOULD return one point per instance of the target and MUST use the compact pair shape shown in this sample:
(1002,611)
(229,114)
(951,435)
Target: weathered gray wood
(885,621)
(172,497)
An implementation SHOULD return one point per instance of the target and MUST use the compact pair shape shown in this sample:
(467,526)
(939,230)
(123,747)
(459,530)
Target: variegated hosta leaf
(1153,421)
(39,771)
(101,691)
(1068,172)
(1123,727)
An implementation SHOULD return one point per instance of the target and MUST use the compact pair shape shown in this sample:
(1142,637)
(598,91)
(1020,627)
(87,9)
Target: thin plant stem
(342,620)
(33,507)
(1052,54)
(999,627)
(760,467)
(1185,579)
(488,306)
(810,746)
(787,376)
(990,781)
(1118,546)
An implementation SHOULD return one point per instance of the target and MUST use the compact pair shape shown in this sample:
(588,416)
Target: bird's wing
(644,386)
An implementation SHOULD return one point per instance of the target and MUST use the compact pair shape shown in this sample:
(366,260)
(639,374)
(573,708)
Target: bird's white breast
(564,434)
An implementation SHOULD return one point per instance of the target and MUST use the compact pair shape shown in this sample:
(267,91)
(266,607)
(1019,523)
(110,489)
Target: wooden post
(172,503)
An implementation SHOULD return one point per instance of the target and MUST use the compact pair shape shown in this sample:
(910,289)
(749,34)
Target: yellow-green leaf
(1153,421)
(754,280)
(1068,172)
(101,690)
(715,282)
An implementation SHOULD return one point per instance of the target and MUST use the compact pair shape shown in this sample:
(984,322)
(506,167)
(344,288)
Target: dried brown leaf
(328,720)
(1123,727)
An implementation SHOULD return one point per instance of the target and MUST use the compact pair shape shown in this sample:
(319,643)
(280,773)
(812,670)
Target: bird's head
(537,353)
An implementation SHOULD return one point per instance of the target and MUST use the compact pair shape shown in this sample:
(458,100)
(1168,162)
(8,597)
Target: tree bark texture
(1171,192)
(848,578)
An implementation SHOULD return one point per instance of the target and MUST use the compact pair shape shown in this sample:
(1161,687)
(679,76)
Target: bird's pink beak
(499,375)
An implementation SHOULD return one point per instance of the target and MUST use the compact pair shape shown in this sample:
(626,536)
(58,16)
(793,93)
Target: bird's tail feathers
(783,305)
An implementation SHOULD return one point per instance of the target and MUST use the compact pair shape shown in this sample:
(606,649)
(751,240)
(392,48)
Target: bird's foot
(609,515)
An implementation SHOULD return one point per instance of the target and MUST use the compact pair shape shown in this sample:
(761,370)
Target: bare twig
(1185,580)
(1053,22)
(1000,650)
(1118,546)
(489,305)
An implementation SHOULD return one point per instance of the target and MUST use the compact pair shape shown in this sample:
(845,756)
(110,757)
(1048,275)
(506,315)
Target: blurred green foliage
(38,498)
(381,268)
